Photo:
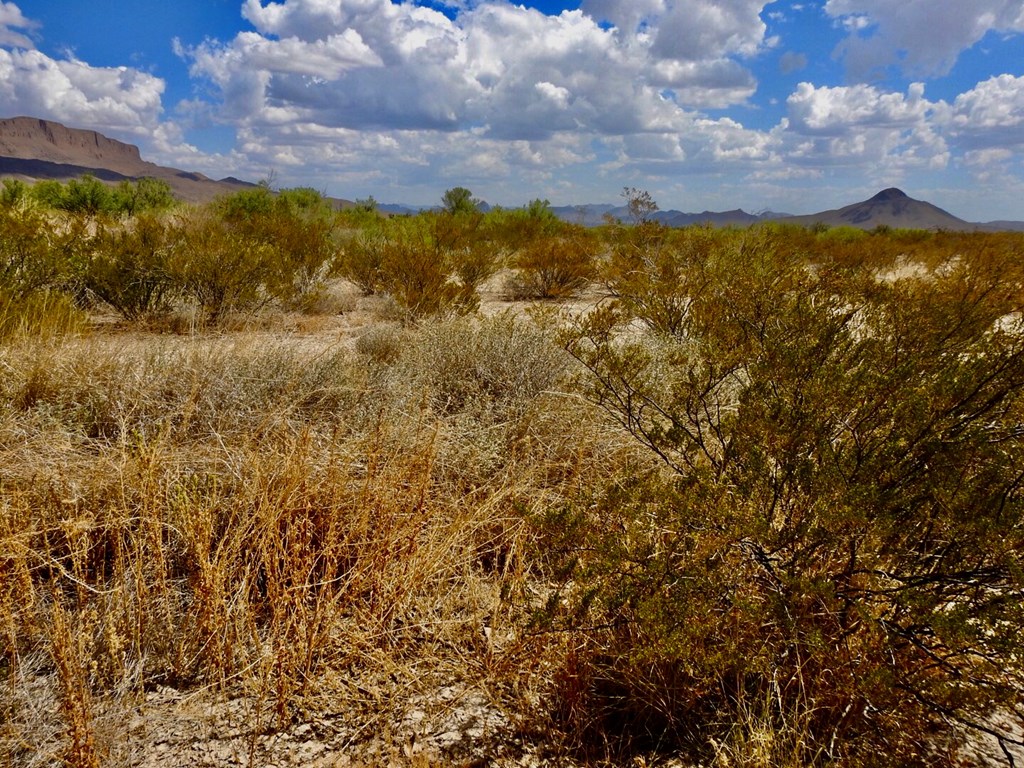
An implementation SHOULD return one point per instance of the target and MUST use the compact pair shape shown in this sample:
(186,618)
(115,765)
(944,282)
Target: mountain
(1003,226)
(891,208)
(35,149)
(736,218)
(593,215)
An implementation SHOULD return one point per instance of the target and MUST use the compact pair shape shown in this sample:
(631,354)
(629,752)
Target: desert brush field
(283,485)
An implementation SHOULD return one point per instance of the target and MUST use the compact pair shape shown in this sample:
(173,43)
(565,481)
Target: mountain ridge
(37,149)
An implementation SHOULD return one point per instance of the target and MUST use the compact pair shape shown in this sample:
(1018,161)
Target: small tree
(459,200)
(147,194)
(87,195)
(640,204)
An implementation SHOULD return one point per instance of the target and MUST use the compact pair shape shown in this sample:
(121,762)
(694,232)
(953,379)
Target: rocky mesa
(35,149)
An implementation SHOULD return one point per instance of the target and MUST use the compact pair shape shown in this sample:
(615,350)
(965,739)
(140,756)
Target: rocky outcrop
(29,138)
(35,149)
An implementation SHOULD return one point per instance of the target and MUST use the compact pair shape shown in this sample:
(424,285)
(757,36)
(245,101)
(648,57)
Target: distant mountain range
(34,149)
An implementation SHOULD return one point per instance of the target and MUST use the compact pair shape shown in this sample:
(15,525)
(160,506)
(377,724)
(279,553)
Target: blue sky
(790,105)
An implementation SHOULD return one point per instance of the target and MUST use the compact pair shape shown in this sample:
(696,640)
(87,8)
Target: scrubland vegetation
(740,497)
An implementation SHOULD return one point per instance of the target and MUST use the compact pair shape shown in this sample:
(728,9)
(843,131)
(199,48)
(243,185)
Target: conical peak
(887,195)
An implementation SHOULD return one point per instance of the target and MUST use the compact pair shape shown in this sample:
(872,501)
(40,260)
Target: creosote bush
(554,266)
(833,560)
(430,265)
(130,267)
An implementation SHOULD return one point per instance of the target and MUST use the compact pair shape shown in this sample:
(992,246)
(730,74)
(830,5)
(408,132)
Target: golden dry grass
(278,514)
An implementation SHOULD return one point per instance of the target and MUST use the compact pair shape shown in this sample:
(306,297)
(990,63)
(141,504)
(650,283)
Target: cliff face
(32,149)
(30,138)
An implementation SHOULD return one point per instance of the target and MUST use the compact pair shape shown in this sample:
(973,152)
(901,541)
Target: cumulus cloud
(826,110)
(922,37)
(117,99)
(515,71)
(12,19)
(629,16)
(860,123)
(700,30)
(991,115)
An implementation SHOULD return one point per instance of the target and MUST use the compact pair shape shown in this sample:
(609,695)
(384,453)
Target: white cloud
(861,124)
(991,115)
(116,99)
(835,111)
(627,15)
(997,103)
(923,37)
(699,30)
(11,19)
(374,64)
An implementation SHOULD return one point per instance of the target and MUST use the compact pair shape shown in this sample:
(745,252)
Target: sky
(791,106)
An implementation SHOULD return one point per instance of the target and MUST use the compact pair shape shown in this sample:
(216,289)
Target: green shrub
(834,557)
(14,193)
(87,195)
(361,259)
(418,261)
(39,252)
(132,198)
(304,254)
(129,269)
(553,267)
(417,273)
(220,270)
(655,277)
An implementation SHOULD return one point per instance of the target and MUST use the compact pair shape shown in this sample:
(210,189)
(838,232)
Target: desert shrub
(655,277)
(513,228)
(833,557)
(304,255)
(40,251)
(129,268)
(553,267)
(492,366)
(468,243)
(295,231)
(14,193)
(27,262)
(131,198)
(429,264)
(417,273)
(87,196)
(382,344)
(361,258)
(47,193)
(246,207)
(417,261)
(221,270)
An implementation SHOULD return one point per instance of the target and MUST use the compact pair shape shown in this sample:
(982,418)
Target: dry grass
(274,516)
